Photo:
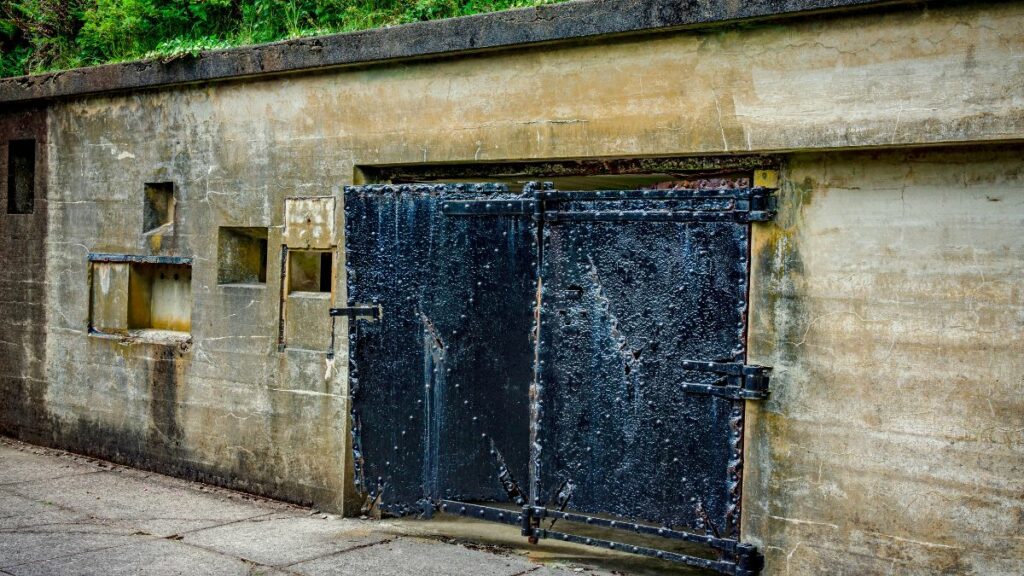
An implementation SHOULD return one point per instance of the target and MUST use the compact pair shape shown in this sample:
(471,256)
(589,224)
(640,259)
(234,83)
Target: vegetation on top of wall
(45,35)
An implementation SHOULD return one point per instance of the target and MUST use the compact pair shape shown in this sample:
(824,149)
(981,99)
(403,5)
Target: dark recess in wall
(21,176)
(158,205)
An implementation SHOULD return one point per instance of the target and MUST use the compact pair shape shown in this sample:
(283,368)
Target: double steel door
(576,355)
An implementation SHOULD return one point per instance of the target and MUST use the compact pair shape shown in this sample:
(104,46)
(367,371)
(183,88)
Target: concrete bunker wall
(868,286)
(887,296)
(23,282)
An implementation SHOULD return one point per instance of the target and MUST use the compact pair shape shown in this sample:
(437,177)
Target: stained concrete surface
(531,25)
(62,513)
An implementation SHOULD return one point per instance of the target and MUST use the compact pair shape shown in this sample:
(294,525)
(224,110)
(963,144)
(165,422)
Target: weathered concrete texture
(63,514)
(888,298)
(23,288)
(232,410)
(541,24)
(824,83)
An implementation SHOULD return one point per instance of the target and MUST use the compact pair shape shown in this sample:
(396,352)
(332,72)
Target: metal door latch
(353,312)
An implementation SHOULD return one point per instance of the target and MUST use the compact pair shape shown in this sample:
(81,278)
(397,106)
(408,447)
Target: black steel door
(441,379)
(623,303)
(604,365)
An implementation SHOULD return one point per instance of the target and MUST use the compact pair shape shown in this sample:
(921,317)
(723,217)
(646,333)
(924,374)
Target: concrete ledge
(527,26)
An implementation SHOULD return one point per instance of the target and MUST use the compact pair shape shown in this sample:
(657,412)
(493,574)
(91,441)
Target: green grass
(46,35)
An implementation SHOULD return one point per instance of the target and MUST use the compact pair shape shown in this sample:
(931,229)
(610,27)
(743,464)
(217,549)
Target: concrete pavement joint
(29,530)
(255,518)
(90,551)
(20,482)
(340,552)
(252,563)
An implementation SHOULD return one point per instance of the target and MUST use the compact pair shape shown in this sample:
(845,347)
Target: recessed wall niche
(140,296)
(310,271)
(157,205)
(21,176)
(241,255)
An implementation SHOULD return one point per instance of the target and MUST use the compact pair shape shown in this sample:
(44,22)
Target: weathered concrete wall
(888,297)
(233,410)
(23,289)
(228,408)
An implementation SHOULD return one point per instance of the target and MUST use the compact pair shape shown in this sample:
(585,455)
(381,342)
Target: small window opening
(160,297)
(242,255)
(158,205)
(21,176)
(310,271)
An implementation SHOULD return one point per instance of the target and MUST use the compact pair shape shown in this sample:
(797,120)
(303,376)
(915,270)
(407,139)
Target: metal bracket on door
(742,381)
(351,312)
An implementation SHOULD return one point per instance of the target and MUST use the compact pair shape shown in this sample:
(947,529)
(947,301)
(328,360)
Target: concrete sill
(253,286)
(311,295)
(148,336)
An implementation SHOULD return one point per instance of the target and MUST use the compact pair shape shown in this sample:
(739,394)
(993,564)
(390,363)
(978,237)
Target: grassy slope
(45,35)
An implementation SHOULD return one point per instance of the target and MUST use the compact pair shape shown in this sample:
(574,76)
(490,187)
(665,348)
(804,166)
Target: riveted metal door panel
(446,369)
(625,299)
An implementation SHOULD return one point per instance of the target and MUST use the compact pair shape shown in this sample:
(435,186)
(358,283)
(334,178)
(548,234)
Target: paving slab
(150,504)
(18,513)
(283,539)
(410,556)
(104,519)
(27,465)
(33,546)
(153,557)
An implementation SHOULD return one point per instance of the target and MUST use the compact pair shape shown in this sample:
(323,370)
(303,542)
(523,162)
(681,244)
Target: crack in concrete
(345,551)
(253,563)
(195,530)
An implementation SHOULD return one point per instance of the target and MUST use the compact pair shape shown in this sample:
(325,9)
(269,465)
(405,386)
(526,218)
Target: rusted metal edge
(741,558)
(721,566)
(702,171)
(138,258)
(523,27)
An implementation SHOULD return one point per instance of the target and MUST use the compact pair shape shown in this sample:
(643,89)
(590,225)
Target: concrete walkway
(65,514)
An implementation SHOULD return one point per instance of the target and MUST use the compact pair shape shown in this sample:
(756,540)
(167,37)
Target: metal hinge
(373,312)
(761,206)
(742,381)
